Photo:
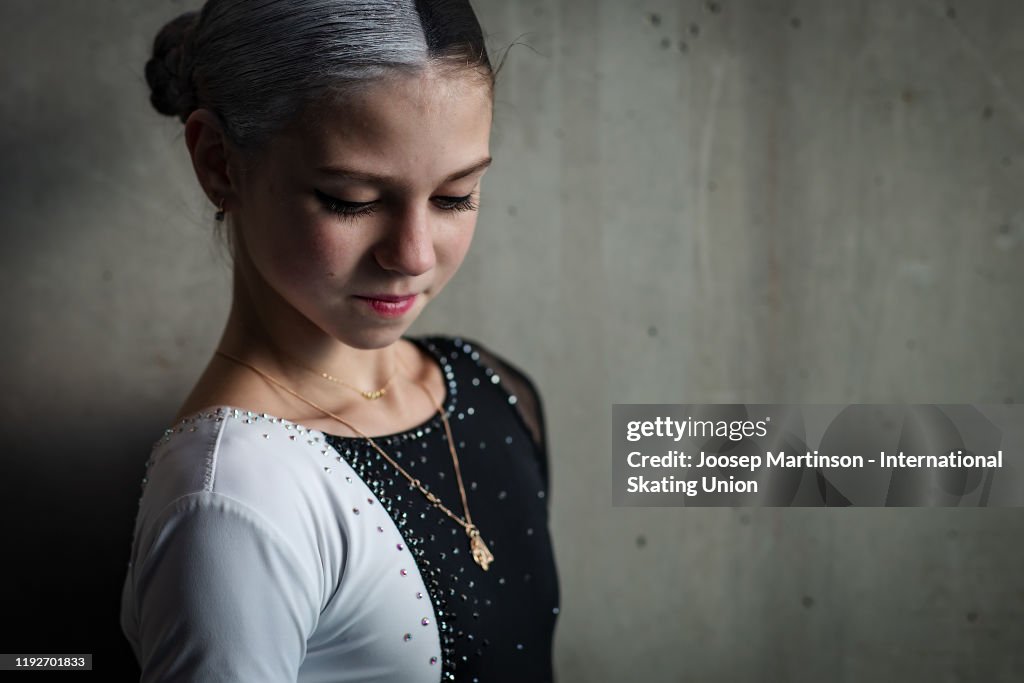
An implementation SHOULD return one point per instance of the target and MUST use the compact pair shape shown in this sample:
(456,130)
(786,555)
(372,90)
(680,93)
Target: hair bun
(168,71)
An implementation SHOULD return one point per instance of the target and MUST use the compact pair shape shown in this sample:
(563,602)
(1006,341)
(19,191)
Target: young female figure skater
(336,501)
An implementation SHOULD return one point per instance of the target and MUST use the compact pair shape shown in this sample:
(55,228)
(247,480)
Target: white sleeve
(221,596)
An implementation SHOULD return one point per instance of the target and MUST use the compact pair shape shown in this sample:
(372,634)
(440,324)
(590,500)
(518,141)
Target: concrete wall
(763,201)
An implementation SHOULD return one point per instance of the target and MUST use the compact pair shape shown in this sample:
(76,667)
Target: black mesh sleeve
(528,401)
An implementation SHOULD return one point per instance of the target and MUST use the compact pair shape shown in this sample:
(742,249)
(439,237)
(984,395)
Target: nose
(408,245)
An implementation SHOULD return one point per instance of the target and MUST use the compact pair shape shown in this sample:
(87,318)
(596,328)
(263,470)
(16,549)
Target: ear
(211,156)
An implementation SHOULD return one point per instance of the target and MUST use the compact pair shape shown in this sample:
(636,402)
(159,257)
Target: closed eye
(465,203)
(354,209)
(344,208)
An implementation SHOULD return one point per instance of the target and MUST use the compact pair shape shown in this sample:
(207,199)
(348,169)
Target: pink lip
(387,297)
(388,305)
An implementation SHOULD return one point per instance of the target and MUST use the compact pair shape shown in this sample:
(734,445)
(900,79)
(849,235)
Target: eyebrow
(353,174)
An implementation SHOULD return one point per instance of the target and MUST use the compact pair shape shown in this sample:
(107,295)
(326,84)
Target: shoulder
(488,357)
(254,473)
(253,458)
(518,388)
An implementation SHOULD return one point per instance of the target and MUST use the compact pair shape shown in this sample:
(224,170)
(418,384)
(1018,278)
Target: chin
(368,338)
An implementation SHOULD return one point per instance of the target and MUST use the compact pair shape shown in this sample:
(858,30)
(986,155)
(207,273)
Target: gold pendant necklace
(481,553)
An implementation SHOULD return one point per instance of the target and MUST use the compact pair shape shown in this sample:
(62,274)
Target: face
(366,201)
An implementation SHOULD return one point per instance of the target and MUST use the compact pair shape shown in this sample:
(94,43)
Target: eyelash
(358,209)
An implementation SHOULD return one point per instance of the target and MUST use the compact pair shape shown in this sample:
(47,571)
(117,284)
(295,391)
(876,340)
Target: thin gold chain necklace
(372,395)
(481,553)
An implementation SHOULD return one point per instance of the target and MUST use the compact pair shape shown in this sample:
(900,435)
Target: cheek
(306,253)
(296,244)
(457,245)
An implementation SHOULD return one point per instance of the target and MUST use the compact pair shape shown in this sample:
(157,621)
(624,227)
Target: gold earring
(220,210)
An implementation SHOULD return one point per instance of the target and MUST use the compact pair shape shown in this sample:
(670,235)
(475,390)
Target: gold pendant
(481,554)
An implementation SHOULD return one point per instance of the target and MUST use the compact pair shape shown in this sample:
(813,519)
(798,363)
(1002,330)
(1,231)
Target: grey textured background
(763,201)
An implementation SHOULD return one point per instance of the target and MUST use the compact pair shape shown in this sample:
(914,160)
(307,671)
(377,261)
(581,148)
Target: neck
(263,329)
